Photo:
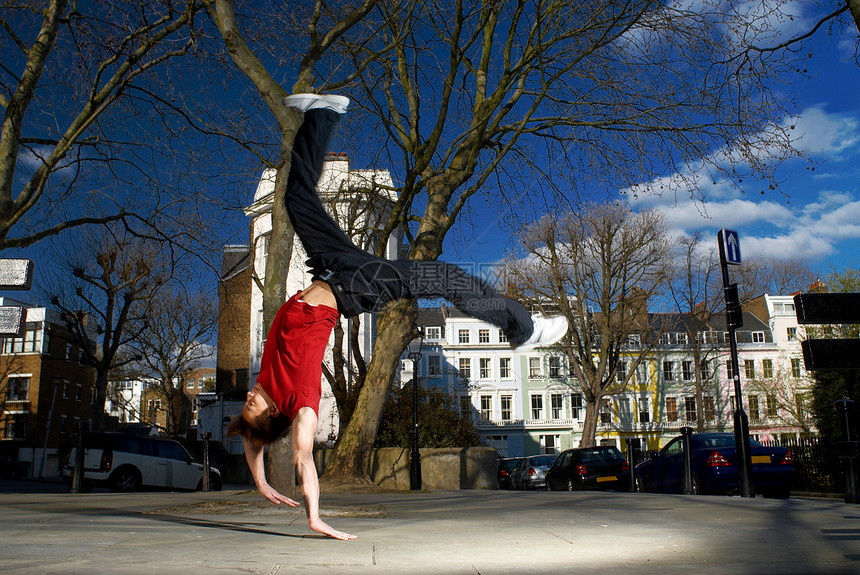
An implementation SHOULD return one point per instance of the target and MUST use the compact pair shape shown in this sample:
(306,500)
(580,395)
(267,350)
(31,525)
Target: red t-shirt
(291,367)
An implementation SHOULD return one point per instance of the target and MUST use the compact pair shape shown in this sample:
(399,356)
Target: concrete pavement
(485,532)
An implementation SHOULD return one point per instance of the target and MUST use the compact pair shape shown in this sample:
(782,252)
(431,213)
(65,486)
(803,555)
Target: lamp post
(415,467)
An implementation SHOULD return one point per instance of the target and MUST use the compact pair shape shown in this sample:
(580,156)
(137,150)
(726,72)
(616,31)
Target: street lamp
(415,467)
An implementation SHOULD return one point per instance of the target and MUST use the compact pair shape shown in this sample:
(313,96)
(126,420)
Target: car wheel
(125,480)
(215,482)
(570,485)
(639,484)
(697,487)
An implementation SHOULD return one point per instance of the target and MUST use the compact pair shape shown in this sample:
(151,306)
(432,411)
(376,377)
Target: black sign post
(730,253)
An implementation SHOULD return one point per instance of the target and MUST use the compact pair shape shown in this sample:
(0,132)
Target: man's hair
(265,430)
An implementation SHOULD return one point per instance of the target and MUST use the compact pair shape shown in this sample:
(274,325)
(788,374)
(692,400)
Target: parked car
(714,465)
(127,462)
(531,471)
(599,467)
(506,468)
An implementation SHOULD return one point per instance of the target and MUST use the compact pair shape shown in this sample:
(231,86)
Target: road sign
(732,246)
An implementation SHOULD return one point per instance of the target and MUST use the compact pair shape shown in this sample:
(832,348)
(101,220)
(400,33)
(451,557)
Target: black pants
(363,282)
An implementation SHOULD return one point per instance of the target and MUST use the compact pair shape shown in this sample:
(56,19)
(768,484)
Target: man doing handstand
(345,281)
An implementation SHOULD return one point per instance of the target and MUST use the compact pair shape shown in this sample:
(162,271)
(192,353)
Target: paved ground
(483,532)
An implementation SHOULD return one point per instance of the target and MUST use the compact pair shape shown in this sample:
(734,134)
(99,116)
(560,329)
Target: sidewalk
(486,532)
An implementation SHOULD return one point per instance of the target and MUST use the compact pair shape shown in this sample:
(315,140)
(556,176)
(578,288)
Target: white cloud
(823,134)
(800,244)
(809,227)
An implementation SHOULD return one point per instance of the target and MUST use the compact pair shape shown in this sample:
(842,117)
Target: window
(537,407)
(704,370)
(465,407)
(625,413)
(749,368)
(729,371)
(190,384)
(66,387)
(433,332)
(486,407)
(550,444)
(758,337)
(68,351)
(575,405)
(18,388)
(772,405)
(463,336)
(644,410)
(671,409)
(621,371)
(704,337)
(483,336)
(767,368)
(507,404)
(78,392)
(668,371)
(535,371)
(795,367)
(16,426)
(690,408)
(555,367)
(791,333)
(665,339)
(634,339)
(687,370)
(708,410)
(605,413)
(505,367)
(753,401)
(681,338)
(556,402)
(434,365)
(503,337)
(485,368)
(64,422)
(465,368)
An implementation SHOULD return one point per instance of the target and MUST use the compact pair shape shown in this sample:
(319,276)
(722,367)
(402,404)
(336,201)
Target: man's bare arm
(304,429)
(254,457)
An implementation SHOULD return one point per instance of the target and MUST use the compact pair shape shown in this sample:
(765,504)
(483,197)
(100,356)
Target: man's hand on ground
(324,528)
(270,493)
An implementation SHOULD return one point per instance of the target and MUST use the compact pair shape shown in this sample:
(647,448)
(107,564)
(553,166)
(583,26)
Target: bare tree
(111,276)
(174,341)
(598,267)
(75,77)
(571,82)
(697,296)
(761,275)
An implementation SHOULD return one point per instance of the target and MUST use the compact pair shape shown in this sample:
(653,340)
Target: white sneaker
(305,102)
(547,331)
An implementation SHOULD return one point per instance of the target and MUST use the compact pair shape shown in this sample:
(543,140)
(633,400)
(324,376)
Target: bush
(439,421)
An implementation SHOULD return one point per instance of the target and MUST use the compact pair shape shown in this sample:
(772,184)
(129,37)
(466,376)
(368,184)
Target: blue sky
(813,215)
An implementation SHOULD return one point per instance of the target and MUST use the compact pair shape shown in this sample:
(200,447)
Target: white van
(126,462)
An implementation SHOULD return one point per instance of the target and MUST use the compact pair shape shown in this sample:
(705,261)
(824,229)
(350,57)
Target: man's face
(254,407)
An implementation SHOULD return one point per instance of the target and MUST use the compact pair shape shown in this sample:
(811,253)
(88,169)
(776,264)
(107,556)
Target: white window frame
(505,367)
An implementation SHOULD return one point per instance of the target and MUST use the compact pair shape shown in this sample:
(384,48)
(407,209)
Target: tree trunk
(589,425)
(351,460)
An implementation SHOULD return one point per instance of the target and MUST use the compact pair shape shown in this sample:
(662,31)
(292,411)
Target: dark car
(506,468)
(531,472)
(715,469)
(600,467)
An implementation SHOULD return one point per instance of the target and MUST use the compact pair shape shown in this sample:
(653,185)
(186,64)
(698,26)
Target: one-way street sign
(731,246)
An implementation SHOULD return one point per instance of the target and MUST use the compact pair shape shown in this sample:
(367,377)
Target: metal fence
(818,467)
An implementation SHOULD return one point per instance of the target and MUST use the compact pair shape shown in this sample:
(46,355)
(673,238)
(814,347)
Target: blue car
(714,465)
